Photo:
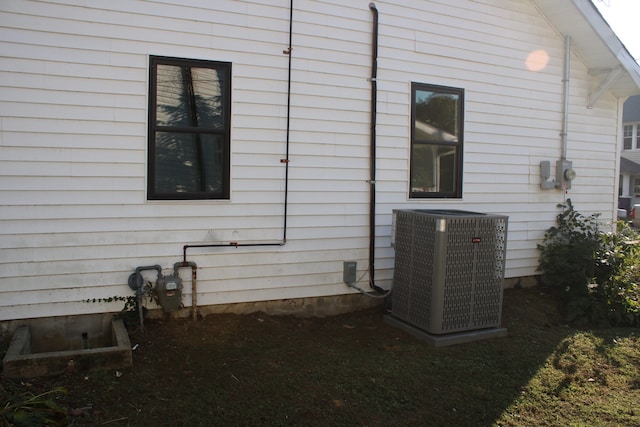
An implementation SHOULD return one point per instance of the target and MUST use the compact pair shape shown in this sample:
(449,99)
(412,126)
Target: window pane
(436,116)
(436,141)
(207,87)
(189,121)
(189,97)
(189,163)
(433,168)
(636,187)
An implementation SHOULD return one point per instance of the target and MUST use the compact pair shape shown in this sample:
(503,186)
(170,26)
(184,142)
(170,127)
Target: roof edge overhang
(596,44)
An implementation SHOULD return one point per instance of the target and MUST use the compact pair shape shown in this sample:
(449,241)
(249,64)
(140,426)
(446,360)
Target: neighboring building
(130,129)
(629,190)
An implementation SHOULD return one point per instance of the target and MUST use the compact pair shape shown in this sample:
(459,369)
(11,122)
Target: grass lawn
(355,370)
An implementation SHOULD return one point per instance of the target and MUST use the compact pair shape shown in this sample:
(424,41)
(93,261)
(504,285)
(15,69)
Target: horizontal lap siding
(512,115)
(74,220)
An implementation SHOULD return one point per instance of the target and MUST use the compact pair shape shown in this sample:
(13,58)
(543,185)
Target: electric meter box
(169,292)
(565,173)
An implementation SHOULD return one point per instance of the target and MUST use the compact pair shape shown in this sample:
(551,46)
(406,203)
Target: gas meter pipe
(284,161)
(225,245)
(138,285)
(194,284)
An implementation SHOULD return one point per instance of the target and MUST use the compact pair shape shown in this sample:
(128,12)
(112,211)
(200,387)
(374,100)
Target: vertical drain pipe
(372,154)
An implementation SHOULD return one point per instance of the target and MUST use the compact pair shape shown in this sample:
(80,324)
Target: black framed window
(436,141)
(189,129)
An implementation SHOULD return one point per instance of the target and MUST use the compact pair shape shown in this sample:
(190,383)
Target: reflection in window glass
(189,96)
(189,163)
(434,169)
(436,141)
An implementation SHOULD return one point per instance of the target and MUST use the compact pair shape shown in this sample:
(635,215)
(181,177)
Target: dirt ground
(351,369)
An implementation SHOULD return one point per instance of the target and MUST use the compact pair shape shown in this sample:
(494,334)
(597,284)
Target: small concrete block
(20,362)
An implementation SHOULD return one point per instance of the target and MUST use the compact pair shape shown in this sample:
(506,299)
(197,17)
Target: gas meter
(169,292)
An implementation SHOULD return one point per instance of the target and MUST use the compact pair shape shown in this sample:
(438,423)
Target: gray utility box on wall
(449,269)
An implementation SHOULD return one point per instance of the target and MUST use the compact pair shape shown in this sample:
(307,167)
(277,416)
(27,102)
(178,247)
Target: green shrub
(618,276)
(595,275)
(567,252)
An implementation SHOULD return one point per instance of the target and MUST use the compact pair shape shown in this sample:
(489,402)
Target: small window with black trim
(436,141)
(189,129)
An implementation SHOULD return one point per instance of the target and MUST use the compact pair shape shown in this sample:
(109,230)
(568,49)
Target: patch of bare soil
(346,370)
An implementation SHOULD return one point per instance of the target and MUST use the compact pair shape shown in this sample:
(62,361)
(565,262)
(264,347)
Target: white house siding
(75,221)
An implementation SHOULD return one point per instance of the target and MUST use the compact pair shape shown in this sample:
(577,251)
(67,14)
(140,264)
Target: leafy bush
(567,252)
(618,276)
(595,275)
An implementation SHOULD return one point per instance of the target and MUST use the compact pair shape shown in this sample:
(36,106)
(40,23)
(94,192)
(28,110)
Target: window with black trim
(189,129)
(436,141)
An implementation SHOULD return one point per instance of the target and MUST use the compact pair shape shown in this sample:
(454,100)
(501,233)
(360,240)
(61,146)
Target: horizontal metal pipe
(226,245)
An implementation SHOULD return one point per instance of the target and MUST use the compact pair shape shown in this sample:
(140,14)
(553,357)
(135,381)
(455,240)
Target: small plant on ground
(28,409)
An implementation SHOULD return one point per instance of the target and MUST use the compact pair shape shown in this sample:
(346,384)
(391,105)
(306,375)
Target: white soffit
(595,43)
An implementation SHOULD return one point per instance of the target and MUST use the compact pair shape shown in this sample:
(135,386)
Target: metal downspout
(372,153)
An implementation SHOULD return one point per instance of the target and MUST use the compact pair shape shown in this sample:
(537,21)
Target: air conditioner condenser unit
(449,269)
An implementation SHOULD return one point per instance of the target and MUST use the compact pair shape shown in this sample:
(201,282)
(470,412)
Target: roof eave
(595,43)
